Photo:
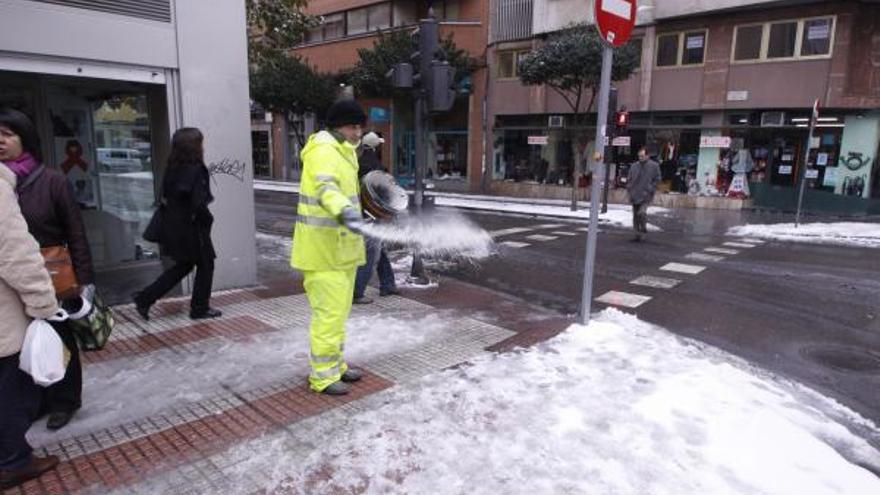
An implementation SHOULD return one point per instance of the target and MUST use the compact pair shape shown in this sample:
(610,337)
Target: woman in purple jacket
(53,219)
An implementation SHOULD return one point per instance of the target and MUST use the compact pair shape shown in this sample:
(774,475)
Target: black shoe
(336,388)
(352,375)
(362,300)
(391,292)
(141,308)
(10,478)
(205,314)
(58,420)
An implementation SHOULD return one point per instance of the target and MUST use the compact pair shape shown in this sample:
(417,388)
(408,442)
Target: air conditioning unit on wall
(556,122)
(772,119)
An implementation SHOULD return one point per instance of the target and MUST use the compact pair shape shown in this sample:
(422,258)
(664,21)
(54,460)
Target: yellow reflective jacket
(329,184)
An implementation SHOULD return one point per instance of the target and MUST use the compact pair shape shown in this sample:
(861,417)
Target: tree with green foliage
(275,26)
(394,47)
(287,84)
(570,64)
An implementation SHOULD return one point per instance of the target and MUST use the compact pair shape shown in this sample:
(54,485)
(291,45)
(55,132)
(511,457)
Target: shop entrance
(103,136)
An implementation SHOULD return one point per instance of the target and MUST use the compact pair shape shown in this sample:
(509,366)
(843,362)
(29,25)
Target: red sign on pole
(615,20)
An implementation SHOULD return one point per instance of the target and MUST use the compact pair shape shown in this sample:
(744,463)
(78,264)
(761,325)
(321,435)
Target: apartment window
(367,19)
(637,44)
(784,40)
(783,36)
(405,13)
(685,48)
(748,42)
(508,61)
(447,10)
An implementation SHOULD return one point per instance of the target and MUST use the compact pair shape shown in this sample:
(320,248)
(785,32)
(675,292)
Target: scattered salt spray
(447,235)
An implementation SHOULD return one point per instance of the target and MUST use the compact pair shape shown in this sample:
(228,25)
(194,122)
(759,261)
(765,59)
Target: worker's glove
(352,219)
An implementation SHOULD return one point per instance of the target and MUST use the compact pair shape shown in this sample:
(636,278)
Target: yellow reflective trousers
(330,294)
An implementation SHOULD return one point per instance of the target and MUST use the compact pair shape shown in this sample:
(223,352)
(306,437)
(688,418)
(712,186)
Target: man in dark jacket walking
(644,175)
(377,258)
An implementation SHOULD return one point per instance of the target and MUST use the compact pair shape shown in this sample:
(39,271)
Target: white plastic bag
(43,355)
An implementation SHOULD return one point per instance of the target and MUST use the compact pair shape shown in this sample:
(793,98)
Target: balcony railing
(511,20)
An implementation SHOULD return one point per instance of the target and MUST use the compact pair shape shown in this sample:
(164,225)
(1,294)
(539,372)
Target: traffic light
(441,93)
(621,121)
(432,77)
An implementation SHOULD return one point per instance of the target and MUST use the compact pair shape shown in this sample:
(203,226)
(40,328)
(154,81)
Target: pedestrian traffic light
(622,119)
(441,93)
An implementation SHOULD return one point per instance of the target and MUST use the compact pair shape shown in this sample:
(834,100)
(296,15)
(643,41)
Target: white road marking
(583,229)
(625,299)
(541,238)
(656,282)
(549,226)
(721,250)
(683,268)
(514,230)
(752,240)
(514,244)
(557,232)
(704,257)
(738,245)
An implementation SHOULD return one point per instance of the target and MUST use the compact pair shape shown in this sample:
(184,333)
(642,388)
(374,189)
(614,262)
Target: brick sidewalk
(191,446)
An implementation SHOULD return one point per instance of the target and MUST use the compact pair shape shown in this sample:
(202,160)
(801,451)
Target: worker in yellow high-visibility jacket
(327,245)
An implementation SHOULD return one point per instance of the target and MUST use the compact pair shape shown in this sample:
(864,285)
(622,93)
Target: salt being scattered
(439,235)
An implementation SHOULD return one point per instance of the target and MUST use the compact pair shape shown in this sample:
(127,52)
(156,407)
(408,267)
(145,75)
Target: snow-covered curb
(858,234)
(620,406)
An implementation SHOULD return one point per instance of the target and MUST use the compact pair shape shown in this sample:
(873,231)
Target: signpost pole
(596,165)
(803,172)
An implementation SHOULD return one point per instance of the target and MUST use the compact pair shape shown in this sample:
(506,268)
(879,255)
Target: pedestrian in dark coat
(53,219)
(186,227)
(641,183)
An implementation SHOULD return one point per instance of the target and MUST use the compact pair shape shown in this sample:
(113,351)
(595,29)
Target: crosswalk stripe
(721,250)
(541,238)
(683,268)
(752,240)
(656,282)
(738,245)
(563,233)
(514,244)
(703,257)
(625,299)
(510,231)
(549,226)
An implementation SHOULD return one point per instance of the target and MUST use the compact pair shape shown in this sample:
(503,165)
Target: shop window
(784,40)
(508,61)
(816,36)
(405,13)
(748,42)
(260,153)
(783,36)
(667,50)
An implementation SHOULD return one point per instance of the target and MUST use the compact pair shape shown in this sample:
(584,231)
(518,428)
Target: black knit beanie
(345,112)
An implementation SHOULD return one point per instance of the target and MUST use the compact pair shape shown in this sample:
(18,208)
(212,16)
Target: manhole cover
(846,359)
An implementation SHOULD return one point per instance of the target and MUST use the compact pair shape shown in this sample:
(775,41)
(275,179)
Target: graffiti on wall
(229,167)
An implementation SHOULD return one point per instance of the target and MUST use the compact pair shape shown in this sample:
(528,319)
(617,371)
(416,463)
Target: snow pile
(858,234)
(618,407)
(124,390)
(440,235)
(617,215)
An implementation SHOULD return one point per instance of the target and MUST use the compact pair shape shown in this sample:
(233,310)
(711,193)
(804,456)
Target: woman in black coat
(186,227)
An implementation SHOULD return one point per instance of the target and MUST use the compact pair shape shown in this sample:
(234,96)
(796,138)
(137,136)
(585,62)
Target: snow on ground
(617,215)
(274,247)
(124,390)
(618,407)
(858,234)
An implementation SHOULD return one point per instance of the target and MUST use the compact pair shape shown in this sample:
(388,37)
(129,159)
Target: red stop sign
(615,20)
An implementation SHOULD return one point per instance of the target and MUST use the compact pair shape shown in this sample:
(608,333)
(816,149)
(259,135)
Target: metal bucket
(381,196)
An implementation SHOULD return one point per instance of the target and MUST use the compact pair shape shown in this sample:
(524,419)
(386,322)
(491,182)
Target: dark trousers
(20,399)
(66,395)
(201,295)
(377,259)
(640,218)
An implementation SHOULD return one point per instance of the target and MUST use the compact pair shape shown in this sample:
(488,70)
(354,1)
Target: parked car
(119,160)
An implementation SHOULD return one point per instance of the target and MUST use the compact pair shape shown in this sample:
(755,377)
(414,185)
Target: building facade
(107,83)
(722,86)
(456,142)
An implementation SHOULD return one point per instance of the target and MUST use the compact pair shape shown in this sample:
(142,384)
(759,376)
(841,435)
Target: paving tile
(683,268)
(656,282)
(624,299)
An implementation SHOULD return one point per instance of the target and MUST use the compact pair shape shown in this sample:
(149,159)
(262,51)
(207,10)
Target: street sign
(622,141)
(615,20)
(715,142)
(539,140)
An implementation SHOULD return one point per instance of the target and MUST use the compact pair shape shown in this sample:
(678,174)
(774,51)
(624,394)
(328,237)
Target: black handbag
(153,232)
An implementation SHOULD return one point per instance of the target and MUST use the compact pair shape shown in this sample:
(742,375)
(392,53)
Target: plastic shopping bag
(43,355)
